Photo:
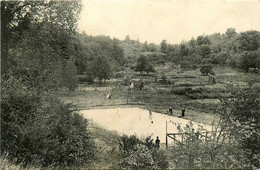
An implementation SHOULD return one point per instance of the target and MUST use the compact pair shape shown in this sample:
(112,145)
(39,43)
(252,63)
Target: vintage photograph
(130,84)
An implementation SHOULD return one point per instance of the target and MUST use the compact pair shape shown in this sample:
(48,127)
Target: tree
(153,47)
(204,51)
(249,41)
(145,46)
(143,65)
(231,32)
(184,51)
(16,16)
(70,79)
(206,69)
(164,46)
(117,53)
(127,38)
(101,68)
(250,59)
(149,68)
(203,40)
(240,117)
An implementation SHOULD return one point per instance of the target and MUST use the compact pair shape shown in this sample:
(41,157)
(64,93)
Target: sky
(172,20)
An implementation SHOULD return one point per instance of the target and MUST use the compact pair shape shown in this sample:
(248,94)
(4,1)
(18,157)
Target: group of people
(157,141)
(182,112)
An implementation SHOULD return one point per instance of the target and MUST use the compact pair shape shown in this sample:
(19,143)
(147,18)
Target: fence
(219,137)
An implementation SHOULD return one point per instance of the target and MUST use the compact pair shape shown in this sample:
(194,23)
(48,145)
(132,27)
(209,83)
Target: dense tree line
(238,50)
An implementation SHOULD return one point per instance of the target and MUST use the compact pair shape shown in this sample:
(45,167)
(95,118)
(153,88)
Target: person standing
(132,87)
(157,143)
(150,115)
(141,85)
(170,110)
(182,112)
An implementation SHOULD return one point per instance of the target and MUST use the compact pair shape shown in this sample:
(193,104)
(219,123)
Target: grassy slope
(199,106)
(107,143)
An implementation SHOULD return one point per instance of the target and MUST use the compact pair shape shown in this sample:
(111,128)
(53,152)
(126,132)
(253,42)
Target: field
(190,91)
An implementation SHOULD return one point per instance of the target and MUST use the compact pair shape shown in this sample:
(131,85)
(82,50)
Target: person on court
(182,112)
(150,116)
(170,110)
(157,143)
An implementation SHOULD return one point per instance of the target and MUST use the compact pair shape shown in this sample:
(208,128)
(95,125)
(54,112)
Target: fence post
(166,136)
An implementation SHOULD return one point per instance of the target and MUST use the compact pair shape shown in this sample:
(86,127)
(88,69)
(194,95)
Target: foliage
(164,46)
(240,116)
(204,51)
(90,50)
(197,151)
(85,78)
(249,41)
(144,65)
(141,154)
(187,65)
(70,79)
(139,157)
(250,59)
(41,130)
(38,60)
(206,69)
(164,80)
(17,16)
(101,68)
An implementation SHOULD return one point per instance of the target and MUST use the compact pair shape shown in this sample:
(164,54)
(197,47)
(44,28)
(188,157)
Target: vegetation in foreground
(40,131)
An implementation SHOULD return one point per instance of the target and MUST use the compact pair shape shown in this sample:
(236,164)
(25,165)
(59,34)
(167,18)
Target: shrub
(181,90)
(206,69)
(165,81)
(85,78)
(139,157)
(140,154)
(70,79)
(240,116)
(118,75)
(187,65)
(41,130)
(195,152)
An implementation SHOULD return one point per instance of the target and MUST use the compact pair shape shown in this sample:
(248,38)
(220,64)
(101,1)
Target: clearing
(136,121)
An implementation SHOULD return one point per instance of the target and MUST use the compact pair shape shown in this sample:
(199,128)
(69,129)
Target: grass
(6,164)
(189,91)
(107,143)
(200,102)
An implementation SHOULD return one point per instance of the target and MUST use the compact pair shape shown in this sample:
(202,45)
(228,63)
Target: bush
(140,154)
(139,157)
(118,75)
(195,152)
(85,78)
(181,90)
(165,81)
(206,69)
(187,65)
(41,130)
(70,79)
(240,116)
